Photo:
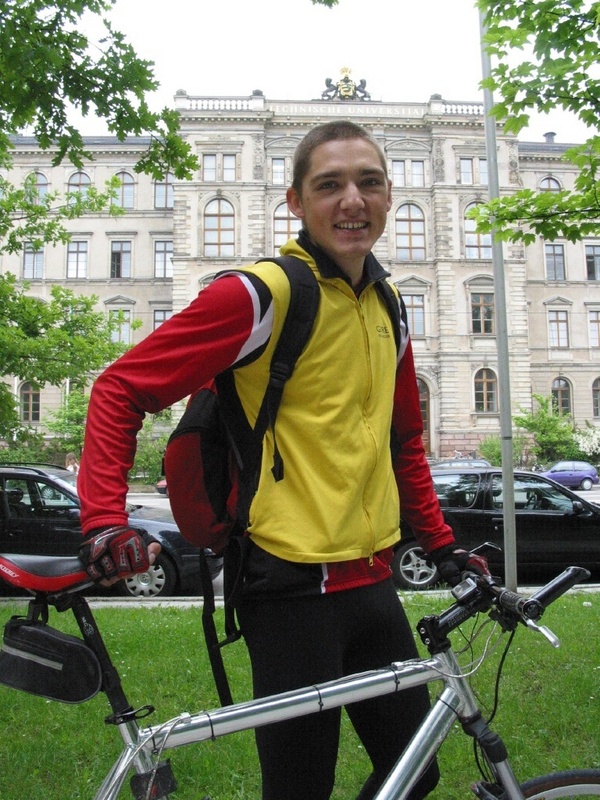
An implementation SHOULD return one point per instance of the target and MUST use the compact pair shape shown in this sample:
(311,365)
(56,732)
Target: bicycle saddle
(42,573)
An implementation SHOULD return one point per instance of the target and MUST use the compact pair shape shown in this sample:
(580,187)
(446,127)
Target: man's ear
(294,203)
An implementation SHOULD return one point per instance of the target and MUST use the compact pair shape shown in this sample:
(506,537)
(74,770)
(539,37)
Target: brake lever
(545,631)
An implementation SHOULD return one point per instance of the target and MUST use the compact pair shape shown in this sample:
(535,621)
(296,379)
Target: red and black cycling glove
(114,552)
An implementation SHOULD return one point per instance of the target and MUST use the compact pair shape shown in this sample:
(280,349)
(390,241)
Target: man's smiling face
(344,201)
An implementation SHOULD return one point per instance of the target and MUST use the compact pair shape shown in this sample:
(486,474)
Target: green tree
(553,433)
(68,423)
(491,449)
(48,67)
(560,46)
(46,342)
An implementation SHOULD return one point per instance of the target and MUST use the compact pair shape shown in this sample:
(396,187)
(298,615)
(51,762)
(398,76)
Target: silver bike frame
(455,701)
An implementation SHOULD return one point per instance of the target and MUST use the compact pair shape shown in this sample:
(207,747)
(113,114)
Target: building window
(482,312)
(38,184)
(33,262)
(592,260)
(79,183)
(425,413)
(124,196)
(163,259)
(549,185)
(596,398)
(209,167)
(219,228)
(415,310)
(410,233)
(473,171)
(29,403)
(558,328)
(163,192)
(121,325)
(278,171)
(555,262)
(477,245)
(120,259)
(408,173)
(229,168)
(161,315)
(594,323)
(486,391)
(561,395)
(285,225)
(77,256)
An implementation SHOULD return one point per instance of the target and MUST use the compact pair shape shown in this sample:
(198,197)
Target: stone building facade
(174,236)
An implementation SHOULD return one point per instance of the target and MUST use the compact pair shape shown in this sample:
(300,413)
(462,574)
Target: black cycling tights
(298,642)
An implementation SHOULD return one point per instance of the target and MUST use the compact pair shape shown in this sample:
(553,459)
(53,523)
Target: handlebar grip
(559,585)
(527,608)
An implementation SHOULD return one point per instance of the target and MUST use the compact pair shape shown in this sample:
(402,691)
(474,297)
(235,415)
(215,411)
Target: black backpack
(212,459)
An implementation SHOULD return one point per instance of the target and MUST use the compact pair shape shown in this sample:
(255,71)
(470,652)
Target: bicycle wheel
(572,783)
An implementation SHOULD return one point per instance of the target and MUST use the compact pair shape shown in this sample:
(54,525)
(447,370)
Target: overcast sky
(406,51)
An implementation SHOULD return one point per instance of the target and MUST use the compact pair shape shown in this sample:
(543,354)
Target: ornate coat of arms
(345,88)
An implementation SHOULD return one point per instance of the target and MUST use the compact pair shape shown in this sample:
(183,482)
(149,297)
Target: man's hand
(116,553)
(452,562)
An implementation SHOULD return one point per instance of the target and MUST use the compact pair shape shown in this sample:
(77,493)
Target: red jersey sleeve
(418,502)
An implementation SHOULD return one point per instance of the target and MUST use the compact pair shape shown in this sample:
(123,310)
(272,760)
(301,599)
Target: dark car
(575,474)
(555,528)
(39,514)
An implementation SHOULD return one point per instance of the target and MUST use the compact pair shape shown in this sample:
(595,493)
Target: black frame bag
(41,660)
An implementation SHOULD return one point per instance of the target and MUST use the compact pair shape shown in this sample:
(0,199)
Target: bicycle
(58,582)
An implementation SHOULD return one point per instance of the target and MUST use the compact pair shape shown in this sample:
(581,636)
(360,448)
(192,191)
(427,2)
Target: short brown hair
(328,132)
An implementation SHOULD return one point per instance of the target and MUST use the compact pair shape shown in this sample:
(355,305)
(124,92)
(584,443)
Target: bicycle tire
(571,783)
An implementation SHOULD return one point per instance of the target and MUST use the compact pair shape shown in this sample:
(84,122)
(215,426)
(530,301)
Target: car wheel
(159,581)
(411,569)
(586,484)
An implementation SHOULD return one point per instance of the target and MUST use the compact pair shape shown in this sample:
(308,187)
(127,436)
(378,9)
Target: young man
(318,601)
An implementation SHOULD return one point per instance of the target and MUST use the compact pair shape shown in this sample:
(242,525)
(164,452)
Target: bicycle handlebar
(480,594)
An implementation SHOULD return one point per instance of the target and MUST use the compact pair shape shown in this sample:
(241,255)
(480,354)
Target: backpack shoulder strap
(392,302)
(297,327)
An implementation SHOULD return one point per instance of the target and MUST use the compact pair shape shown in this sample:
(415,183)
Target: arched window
(163,192)
(561,395)
(477,245)
(39,186)
(410,233)
(79,183)
(124,196)
(596,398)
(219,228)
(424,402)
(486,391)
(285,225)
(29,403)
(549,185)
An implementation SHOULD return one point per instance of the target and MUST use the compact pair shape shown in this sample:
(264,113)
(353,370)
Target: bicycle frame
(456,701)
(144,746)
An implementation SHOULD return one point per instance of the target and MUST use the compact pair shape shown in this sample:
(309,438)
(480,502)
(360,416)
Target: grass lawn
(549,710)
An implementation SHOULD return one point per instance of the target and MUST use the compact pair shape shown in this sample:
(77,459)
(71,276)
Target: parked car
(575,474)
(554,526)
(39,514)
